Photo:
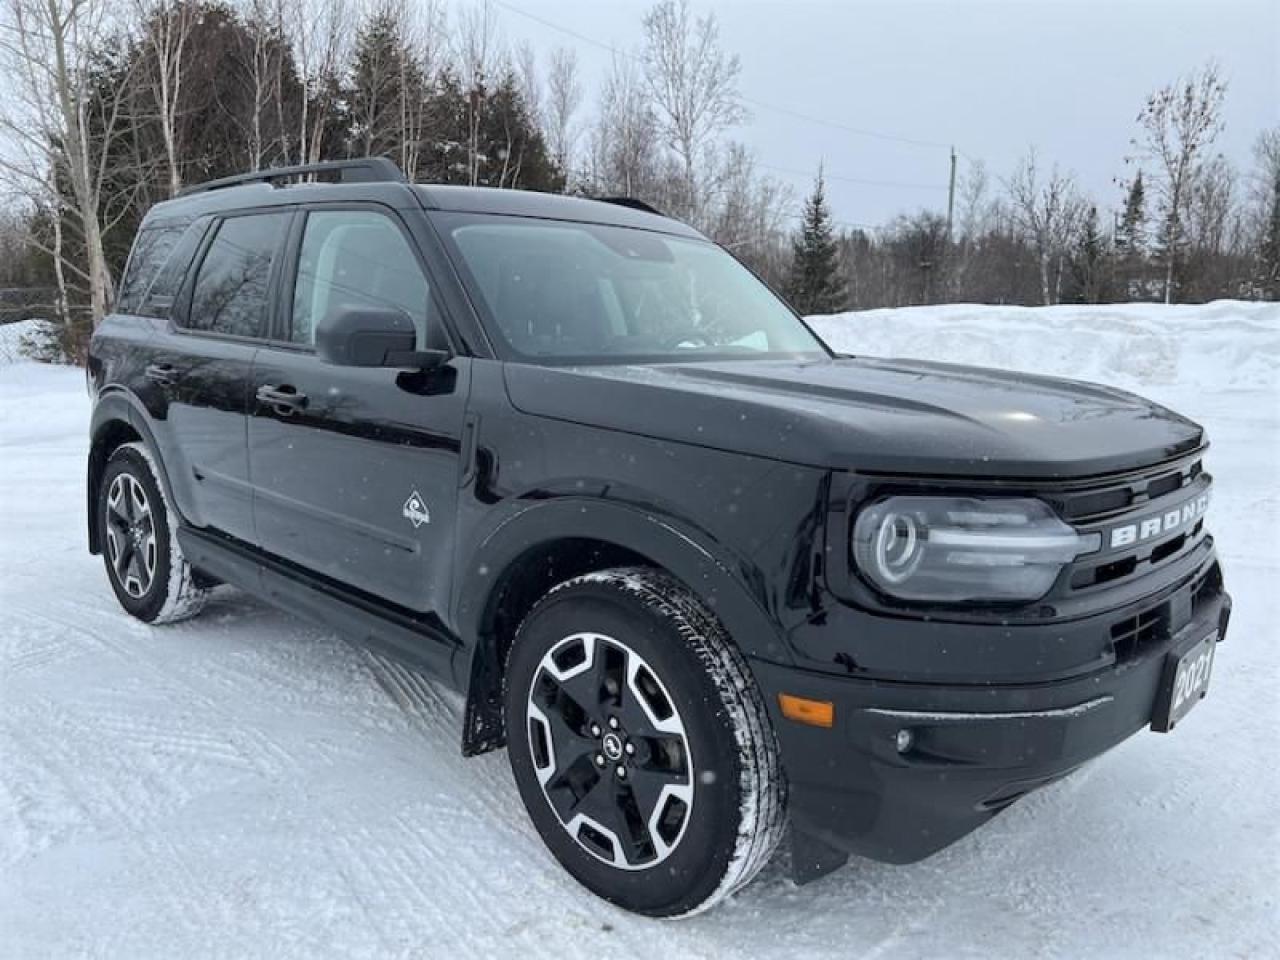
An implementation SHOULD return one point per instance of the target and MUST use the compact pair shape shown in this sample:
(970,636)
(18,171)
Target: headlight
(957,549)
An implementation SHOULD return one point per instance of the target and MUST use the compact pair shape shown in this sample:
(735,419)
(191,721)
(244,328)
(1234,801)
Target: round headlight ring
(899,547)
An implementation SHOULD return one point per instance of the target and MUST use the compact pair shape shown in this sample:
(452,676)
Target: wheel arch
(556,540)
(117,419)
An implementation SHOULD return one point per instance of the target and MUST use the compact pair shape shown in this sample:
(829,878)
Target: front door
(355,471)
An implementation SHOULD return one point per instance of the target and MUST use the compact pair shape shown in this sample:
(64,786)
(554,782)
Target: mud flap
(811,859)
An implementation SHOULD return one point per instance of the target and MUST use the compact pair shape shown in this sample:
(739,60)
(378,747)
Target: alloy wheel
(131,535)
(610,751)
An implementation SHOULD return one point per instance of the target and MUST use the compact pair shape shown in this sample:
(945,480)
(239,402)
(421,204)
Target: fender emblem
(415,510)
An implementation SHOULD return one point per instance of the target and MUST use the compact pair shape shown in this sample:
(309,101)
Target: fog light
(904,740)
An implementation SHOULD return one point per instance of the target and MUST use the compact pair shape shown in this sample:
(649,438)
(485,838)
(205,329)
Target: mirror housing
(373,337)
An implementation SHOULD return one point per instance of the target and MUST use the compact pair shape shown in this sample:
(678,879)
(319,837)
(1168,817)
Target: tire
(683,801)
(138,532)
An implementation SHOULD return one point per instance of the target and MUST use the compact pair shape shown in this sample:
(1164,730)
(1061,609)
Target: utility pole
(951,195)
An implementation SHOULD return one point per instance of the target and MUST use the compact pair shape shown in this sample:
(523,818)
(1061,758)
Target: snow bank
(11,335)
(1227,343)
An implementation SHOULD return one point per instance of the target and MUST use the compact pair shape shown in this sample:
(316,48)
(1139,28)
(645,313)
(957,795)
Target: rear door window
(231,295)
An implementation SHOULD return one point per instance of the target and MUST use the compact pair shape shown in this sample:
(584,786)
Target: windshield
(559,291)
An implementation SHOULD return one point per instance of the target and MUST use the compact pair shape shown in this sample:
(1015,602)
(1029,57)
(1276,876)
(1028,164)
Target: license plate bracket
(1184,682)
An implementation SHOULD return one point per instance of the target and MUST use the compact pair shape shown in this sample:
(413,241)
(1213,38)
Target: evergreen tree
(1269,255)
(816,284)
(1131,235)
(386,84)
(1089,260)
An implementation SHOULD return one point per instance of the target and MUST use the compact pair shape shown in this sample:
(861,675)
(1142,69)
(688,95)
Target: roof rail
(631,202)
(360,170)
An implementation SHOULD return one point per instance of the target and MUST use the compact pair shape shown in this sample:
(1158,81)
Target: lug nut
(595,729)
(599,759)
(613,723)
(622,772)
(631,749)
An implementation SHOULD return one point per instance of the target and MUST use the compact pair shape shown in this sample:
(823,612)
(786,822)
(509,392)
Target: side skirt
(417,641)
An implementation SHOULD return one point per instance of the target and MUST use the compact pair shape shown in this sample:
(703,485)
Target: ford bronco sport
(702,576)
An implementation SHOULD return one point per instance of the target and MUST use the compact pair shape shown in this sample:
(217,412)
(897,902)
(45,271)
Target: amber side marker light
(815,713)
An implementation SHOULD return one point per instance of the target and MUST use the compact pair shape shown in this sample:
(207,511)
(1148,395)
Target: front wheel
(640,743)
(138,532)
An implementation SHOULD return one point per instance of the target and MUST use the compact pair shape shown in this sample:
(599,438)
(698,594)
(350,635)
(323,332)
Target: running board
(410,639)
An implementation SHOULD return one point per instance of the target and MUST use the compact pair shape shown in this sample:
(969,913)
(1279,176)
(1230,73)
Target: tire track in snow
(262,751)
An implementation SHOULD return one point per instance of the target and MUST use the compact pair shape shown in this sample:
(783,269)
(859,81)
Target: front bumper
(975,749)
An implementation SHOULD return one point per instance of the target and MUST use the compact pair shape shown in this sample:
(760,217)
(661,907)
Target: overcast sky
(990,76)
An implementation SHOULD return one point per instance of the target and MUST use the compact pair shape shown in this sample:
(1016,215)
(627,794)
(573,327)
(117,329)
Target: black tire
(138,533)
(663,858)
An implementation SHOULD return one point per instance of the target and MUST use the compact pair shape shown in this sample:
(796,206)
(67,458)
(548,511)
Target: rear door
(198,369)
(355,470)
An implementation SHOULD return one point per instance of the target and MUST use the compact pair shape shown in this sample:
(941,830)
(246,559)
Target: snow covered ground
(247,785)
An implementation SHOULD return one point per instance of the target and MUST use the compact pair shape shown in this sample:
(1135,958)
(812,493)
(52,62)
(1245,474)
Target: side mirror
(373,337)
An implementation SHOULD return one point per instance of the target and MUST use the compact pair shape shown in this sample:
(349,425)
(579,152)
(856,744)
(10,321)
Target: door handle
(284,399)
(161,373)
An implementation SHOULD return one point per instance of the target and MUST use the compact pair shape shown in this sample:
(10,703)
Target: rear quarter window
(151,250)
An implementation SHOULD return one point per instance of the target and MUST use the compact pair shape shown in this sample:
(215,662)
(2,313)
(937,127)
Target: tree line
(1188,227)
(115,105)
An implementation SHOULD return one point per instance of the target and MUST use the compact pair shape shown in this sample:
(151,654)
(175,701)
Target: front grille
(1102,500)
(1102,506)
(1157,623)
(1132,634)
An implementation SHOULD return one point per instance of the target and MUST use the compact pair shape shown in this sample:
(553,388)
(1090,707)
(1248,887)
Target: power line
(850,224)
(809,174)
(759,104)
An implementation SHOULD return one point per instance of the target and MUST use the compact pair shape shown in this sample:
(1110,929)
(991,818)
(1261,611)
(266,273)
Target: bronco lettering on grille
(1159,523)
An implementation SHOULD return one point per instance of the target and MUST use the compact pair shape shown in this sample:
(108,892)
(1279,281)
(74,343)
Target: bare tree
(57,130)
(750,214)
(1216,236)
(263,73)
(693,85)
(530,84)
(320,33)
(564,97)
(478,56)
(1179,123)
(166,28)
(624,147)
(423,32)
(975,200)
(1260,186)
(1047,212)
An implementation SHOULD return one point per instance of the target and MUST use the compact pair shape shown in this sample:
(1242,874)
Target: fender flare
(722,580)
(117,405)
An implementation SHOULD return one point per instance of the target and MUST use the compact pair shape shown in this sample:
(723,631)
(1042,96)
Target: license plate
(1185,682)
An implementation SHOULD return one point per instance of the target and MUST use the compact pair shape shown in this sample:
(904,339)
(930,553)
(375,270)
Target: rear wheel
(640,743)
(138,532)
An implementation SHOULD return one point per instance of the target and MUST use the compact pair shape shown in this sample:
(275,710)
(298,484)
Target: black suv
(701,575)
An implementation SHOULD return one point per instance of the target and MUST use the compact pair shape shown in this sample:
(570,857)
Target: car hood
(884,416)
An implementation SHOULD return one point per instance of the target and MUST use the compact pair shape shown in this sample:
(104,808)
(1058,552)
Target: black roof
(552,206)
(241,193)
